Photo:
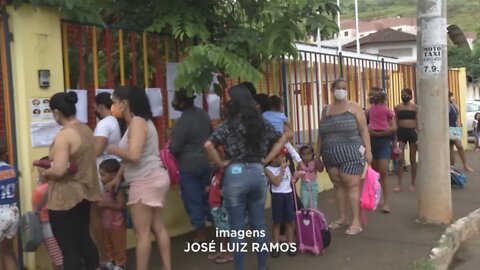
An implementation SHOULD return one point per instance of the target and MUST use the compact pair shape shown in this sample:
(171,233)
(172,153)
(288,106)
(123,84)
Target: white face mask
(340,94)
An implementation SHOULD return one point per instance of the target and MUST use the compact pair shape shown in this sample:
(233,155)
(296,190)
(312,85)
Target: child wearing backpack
(283,209)
(39,201)
(113,204)
(9,213)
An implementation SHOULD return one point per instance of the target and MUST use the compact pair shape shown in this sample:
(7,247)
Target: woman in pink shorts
(145,173)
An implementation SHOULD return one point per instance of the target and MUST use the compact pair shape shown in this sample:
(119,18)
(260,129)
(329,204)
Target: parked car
(473,107)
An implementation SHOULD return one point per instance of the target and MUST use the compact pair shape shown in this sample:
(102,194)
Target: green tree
(233,38)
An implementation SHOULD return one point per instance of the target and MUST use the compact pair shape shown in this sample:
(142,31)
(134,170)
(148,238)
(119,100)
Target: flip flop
(411,188)
(353,231)
(337,225)
(397,189)
(223,260)
(386,211)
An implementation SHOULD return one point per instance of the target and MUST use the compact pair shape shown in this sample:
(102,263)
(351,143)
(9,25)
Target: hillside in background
(464,13)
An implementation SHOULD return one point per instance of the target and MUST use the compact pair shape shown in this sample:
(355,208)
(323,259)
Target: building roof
(384,36)
(375,25)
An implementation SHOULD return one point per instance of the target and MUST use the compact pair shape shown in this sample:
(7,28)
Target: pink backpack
(170,164)
(371,192)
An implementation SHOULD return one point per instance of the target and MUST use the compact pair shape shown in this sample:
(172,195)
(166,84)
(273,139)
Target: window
(346,33)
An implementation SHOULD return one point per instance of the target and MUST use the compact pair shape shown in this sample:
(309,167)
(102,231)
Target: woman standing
(453,121)
(246,138)
(70,195)
(407,123)
(145,173)
(107,131)
(343,145)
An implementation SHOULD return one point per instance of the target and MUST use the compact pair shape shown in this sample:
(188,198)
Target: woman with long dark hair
(145,173)
(407,123)
(71,195)
(246,137)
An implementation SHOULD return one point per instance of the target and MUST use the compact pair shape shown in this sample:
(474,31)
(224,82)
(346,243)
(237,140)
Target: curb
(441,256)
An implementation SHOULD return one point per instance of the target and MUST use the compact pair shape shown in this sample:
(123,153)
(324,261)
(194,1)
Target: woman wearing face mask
(70,195)
(344,145)
(407,128)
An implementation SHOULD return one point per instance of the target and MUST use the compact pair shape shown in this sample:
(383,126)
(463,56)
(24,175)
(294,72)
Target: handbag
(31,228)
(456,133)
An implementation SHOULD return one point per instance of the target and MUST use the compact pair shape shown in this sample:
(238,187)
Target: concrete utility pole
(434,190)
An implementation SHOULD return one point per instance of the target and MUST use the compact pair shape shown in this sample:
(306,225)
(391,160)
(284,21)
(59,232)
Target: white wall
(376,49)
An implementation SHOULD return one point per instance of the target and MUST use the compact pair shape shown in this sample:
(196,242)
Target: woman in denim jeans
(246,139)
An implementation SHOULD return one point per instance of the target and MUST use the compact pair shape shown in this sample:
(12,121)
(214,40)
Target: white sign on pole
(432,60)
(155,99)
(82,105)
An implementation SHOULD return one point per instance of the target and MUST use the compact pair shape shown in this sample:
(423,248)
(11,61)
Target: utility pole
(433,178)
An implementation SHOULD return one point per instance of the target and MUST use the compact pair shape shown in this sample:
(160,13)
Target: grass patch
(423,264)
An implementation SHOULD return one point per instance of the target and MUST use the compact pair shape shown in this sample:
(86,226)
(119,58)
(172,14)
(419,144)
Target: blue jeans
(244,191)
(194,197)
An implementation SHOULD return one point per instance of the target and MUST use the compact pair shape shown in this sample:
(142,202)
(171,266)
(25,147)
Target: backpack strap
(42,203)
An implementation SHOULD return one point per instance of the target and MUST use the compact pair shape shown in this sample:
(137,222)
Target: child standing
(39,201)
(309,183)
(280,177)
(113,222)
(9,213)
(476,131)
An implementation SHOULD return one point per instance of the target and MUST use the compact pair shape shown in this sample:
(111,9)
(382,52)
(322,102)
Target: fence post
(340,60)
(384,83)
(284,82)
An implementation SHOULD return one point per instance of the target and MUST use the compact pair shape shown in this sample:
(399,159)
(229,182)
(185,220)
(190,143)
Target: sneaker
(291,253)
(108,266)
(275,254)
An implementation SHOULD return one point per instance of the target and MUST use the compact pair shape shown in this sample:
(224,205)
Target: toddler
(278,120)
(113,221)
(309,180)
(283,210)
(39,202)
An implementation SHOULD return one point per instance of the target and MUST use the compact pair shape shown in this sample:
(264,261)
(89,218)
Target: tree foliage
(461,57)
(230,38)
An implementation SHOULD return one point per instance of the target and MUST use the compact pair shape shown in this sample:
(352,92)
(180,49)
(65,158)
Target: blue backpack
(457,178)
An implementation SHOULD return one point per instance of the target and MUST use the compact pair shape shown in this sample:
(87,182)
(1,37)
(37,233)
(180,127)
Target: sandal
(222,260)
(412,188)
(386,210)
(353,231)
(397,189)
(337,225)
(214,256)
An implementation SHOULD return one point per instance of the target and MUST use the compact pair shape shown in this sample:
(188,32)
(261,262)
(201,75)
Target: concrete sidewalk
(390,241)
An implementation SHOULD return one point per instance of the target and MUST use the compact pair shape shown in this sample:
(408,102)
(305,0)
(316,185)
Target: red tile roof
(375,25)
(383,36)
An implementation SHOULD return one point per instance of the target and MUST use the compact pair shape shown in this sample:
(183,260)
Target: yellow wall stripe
(95,57)
(66,65)
(120,51)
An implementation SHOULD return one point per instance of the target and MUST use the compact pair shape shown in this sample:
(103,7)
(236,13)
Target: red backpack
(170,164)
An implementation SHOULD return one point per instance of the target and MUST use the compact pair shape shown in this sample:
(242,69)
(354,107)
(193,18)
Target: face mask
(116,111)
(176,106)
(340,94)
(406,99)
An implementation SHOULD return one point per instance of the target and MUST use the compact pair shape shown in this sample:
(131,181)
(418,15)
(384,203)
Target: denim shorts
(282,208)
(381,148)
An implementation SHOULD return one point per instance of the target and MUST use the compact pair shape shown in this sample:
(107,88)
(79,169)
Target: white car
(473,107)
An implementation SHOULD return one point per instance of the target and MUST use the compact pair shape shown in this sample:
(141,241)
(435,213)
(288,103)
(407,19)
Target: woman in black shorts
(407,127)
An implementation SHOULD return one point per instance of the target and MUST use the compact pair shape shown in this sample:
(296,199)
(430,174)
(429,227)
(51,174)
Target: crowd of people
(85,212)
